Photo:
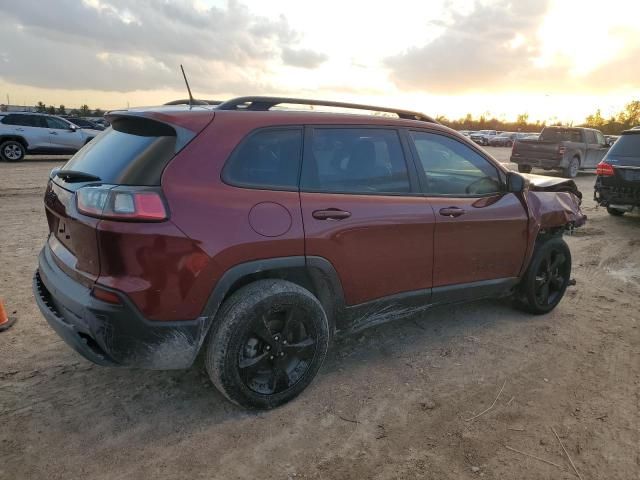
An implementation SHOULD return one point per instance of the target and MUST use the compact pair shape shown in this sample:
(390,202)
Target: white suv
(24,132)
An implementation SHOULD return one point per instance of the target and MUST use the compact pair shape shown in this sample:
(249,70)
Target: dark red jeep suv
(258,233)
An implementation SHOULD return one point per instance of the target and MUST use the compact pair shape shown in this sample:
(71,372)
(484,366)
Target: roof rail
(265,103)
(185,101)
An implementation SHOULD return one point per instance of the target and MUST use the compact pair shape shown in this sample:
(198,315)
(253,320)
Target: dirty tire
(572,169)
(12,151)
(237,359)
(525,168)
(543,271)
(615,212)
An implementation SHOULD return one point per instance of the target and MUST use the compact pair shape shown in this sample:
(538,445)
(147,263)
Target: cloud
(487,47)
(118,45)
(303,58)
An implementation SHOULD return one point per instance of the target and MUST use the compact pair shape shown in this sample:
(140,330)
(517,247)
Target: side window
(590,136)
(267,158)
(35,121)
(56,123)
(452,168)
(20,120)
(600,138)
(355,160)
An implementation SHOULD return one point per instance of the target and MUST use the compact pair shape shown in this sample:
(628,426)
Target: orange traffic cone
(5,321)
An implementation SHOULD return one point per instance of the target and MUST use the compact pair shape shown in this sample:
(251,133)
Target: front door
(363,212)
(596,148)
(481,231)
(62,137)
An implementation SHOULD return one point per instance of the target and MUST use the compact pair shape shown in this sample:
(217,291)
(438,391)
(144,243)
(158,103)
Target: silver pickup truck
(569,149)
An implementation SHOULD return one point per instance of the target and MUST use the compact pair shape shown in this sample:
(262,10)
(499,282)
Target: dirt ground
(393,402)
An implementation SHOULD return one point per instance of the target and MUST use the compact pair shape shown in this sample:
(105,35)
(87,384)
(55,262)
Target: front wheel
(268,344)
(547,277)
(525,168)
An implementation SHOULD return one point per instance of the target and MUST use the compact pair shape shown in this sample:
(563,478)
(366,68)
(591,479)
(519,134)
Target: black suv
(618,182)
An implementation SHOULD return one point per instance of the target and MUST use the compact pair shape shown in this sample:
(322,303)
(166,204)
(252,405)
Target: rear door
(363,212)
(31,128)
(481,231)
(62,137)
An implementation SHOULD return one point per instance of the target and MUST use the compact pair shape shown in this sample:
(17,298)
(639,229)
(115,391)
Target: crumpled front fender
(550,211)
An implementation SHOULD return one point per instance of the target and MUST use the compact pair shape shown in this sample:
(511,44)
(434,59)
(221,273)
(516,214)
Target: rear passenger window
(590,136)
(267,159)
(355,160)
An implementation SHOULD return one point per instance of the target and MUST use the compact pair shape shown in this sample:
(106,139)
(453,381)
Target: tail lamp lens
(105,295)
(562,149)
(121,203)
(604,169)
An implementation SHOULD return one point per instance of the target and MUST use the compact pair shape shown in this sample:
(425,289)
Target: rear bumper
(539,162)
(606,195)
(109,334)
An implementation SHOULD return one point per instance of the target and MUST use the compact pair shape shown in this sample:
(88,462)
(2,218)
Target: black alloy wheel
(547,278)
(277,351)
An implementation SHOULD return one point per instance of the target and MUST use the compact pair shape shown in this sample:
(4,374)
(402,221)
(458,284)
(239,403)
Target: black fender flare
(324,279)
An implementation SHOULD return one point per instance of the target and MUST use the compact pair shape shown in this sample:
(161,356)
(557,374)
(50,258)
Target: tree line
(83,111)
(629,117)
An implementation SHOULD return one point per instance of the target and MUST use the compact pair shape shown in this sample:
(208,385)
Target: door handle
(53,133)
(452,212)
(330,214)
(19,129)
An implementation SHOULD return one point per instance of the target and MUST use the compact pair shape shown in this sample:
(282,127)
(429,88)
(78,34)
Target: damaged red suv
(256,234)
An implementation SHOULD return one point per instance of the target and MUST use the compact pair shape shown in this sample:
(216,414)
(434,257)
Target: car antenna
(188,87)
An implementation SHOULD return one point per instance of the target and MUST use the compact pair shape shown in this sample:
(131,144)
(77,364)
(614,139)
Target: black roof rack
(185,101)
(265,103)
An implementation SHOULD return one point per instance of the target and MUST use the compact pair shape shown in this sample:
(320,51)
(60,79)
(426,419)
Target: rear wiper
(75,176)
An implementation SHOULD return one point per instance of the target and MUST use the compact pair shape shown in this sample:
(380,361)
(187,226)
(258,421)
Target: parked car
(234,236)
(482,137)
(36,133)
(569,149)
(84,123)
(618,181)
(466,133)
(506,139)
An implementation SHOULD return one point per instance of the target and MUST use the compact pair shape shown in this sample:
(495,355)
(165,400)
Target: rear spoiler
(186,124)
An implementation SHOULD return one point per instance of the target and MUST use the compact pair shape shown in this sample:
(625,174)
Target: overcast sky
(553,59)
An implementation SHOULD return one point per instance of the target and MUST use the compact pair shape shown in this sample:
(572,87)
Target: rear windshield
(132,152)
(627,146)
(560,135)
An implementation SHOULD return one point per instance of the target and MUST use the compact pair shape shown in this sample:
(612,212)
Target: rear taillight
(603,169)
(122,203)
(561,149)
(105,295)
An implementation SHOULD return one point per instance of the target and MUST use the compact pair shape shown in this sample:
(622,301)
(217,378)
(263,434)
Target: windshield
(132,152)
(627,146)
(561,135)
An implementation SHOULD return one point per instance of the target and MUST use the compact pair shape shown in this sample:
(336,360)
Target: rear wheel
(525,168)
(572,169)
(270,341)
(547,277)
(615,212)
(12,151)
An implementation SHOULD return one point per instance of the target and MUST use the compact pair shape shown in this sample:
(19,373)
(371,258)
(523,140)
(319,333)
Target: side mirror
(73,128)
(516,183)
